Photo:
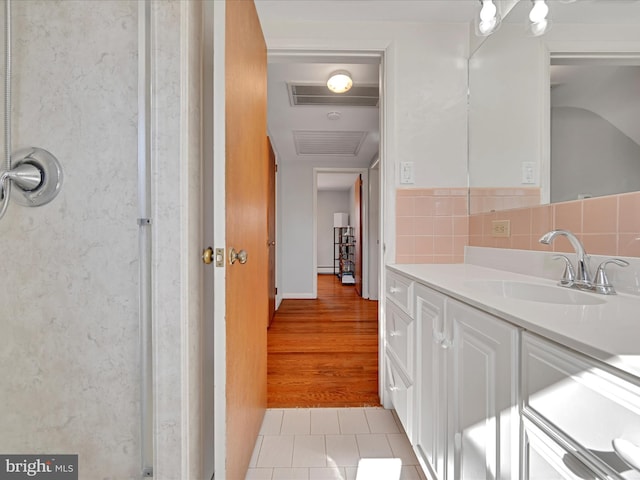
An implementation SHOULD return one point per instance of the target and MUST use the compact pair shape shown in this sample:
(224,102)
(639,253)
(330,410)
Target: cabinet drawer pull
(395,333)
(393,388)
(446,343)
(628,452)
(394,290)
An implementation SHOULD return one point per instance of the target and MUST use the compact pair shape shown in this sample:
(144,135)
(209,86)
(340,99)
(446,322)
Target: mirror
(556,117)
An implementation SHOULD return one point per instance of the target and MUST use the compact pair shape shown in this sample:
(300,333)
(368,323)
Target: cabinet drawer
(400,290)
(583,402)
(400,338)
(545,459)
(401,393)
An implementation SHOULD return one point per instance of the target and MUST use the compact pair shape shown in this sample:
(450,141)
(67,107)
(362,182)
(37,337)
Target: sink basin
(534,292)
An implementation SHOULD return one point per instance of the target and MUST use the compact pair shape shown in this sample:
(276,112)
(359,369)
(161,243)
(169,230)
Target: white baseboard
(325,270)
(299,296)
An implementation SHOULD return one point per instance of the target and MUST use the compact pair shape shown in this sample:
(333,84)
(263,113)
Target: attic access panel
(319,142)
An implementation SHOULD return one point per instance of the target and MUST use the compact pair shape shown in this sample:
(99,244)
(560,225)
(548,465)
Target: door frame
(364,219)
(295,49)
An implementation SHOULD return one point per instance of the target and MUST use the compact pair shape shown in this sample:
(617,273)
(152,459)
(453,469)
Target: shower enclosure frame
(170,212)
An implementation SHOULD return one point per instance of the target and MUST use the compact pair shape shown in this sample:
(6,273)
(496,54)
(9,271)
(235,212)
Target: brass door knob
(240,256)
(207,255)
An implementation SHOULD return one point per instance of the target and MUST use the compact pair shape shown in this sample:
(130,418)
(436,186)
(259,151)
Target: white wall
(295,210)
(610,91)
(590,156)
(425,112)
(426,86)
(374,226)
(329,202)
(69,362)
(505,108)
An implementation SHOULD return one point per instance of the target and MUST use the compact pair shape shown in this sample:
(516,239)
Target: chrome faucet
(583,277)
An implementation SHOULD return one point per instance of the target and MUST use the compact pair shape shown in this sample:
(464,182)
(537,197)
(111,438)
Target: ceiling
(307,133)
(336,181)
(435,11)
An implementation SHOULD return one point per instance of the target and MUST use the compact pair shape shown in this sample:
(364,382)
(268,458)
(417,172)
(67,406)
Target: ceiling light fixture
(488,20)
(340,81)
(539,23)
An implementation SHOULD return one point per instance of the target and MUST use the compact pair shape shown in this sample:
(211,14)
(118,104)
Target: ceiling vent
(357,96)
(317,142)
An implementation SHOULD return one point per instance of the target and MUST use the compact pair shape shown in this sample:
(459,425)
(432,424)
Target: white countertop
(609,332)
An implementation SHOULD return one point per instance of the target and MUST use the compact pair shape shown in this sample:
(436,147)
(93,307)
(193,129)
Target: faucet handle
(569,274)
(602,284)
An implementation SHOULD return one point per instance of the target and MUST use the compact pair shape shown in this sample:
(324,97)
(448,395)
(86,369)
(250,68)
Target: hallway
(324,352)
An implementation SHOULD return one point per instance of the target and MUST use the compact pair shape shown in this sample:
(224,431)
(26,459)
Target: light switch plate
(407,173)
(528,173)
(501,228)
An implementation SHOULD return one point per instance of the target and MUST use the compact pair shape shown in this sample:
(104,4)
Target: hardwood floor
(324,352)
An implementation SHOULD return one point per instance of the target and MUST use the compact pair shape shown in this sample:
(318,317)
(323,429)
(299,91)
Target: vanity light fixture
(488,20)
(340,81)
(539,22)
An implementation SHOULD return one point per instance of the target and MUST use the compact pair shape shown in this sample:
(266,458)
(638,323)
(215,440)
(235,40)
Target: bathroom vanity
(495,374)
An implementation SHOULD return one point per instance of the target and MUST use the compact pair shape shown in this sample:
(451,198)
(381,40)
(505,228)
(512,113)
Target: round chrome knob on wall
(50,176)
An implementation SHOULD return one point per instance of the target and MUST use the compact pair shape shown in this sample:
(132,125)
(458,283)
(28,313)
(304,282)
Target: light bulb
(488,11)
(539,28)
(488,20)
(340,82)
(539,11)
(486,27)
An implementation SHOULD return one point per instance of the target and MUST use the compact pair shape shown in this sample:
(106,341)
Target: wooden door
(357,232)
(271,232)
(246,229)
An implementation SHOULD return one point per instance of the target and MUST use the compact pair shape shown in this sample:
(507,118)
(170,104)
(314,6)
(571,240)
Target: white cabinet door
(431,414)
(585,402)
(400,391)
(545,459)
(483,418)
